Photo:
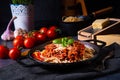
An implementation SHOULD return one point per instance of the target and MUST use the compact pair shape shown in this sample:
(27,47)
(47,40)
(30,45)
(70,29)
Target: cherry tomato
(43,30)
(29,42)
(41,37)
(14,53)
(51,34)
(19,37)
(18,42)
(53,28)
(4,51)
(35,33)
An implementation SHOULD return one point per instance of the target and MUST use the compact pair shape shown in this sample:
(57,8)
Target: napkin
(16,71)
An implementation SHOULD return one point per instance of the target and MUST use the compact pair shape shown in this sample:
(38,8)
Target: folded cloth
(17,71)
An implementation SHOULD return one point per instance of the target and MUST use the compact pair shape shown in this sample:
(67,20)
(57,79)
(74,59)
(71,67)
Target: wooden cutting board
(109,34)
(109,39)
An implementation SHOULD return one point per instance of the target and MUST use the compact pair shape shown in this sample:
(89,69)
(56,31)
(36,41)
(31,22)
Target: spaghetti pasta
(56,53)
(72,19)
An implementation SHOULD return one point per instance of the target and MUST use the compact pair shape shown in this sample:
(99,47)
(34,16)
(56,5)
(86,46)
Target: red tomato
(53,28)
(18,42)
(14,53)
(35,33)
(29,42)
(51,34)
(4,51)
(19,37)
(41,37)
(43,30)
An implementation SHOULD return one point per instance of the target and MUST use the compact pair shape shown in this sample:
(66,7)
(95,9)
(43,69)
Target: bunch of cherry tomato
(28,41)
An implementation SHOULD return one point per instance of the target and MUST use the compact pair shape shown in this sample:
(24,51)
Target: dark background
(48,12)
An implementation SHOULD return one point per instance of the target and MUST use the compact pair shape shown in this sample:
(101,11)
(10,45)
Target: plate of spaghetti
(64,51)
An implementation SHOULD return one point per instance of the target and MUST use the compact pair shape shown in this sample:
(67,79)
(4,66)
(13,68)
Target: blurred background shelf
(49,12)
